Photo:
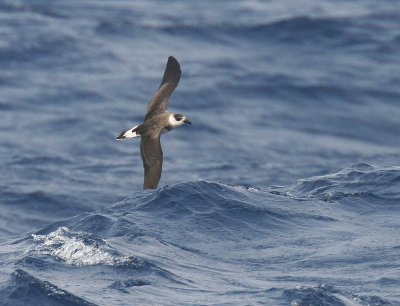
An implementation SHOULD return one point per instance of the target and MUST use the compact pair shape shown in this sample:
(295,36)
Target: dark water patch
(286,89)
(193,32)
(374,300)
(302,29)
(34,262)
(42,47)
(26,289)
(388,281)
(6,107)
(114,22)
(320,295)
(123,285)
(41,9)
(384,95)
(95,223)
(43,160)
(127,27)
(66,98)
(39,201)
(67,126)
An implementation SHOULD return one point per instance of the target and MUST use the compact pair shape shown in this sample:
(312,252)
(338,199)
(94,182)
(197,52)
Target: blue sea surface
(285,190)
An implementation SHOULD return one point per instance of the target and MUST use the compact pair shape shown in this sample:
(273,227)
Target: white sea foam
(78,248)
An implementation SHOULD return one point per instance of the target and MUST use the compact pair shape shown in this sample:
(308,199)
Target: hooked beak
(187,121)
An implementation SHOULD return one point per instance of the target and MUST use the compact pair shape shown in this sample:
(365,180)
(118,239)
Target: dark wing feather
(159,102)
(152,156)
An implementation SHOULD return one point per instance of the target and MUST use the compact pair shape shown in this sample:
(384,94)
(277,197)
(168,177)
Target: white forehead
(172,121)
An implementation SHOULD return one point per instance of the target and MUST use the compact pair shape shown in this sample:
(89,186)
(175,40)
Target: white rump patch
(128,134)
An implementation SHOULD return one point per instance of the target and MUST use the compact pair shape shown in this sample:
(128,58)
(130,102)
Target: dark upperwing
(159,102)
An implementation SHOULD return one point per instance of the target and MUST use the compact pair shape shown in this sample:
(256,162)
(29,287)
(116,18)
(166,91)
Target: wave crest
(80,249)
(359,180)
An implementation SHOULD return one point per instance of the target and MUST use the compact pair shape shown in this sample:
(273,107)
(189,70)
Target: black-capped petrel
(157,121)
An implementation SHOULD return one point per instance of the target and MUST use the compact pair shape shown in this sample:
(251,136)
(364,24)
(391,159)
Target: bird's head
(176,120)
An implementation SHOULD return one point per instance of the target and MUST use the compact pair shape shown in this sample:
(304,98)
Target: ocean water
(285,190)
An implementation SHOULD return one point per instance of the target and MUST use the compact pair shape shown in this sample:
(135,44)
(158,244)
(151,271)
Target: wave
(218,210)
(330,296)
(359,180)
(177,236)
(206,207)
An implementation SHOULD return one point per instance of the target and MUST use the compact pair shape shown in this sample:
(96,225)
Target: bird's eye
(178,117)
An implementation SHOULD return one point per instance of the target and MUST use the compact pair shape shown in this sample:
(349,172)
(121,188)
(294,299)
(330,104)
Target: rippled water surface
(284,191)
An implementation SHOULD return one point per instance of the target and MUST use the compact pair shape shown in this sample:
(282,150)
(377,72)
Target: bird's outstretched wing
(159,102)
(152,156)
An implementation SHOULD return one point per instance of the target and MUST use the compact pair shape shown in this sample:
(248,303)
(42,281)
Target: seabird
(156,122)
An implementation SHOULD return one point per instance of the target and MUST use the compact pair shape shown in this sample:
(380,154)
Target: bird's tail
(131,133)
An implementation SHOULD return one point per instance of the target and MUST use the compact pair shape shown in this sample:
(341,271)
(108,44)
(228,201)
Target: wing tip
(172,58)
(173,63)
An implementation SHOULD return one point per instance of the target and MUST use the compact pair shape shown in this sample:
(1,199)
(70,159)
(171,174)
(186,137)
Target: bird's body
(157,121)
